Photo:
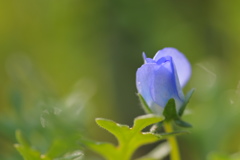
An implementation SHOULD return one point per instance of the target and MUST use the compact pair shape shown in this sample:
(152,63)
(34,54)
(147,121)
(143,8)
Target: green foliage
(29,153)
(170,112)
(129,139)
(26,151)
(72,39)
(187,98)
(221,156)
(56,120)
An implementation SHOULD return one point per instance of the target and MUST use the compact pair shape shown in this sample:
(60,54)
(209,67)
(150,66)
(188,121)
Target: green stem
(173,142)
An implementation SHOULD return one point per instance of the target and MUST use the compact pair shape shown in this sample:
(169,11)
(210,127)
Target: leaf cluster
(129,139)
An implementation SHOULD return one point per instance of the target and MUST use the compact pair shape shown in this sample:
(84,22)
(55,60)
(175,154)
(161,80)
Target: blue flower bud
(162,78)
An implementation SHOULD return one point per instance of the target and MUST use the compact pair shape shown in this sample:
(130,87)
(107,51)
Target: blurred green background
(79,57)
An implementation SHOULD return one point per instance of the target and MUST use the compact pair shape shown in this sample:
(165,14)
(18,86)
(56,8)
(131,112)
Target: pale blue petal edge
(144,78)
(181,63)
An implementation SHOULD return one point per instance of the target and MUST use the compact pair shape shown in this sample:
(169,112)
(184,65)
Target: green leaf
(187,98)
(107,150)
(26,151)
(182,123)
(144,104)
(143,121)
(129,139)
(175,133)
(170,111)
(117,130)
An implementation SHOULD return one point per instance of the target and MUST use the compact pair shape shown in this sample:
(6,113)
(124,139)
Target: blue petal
(144,79)
(183,66)
(147,60)
(166,85)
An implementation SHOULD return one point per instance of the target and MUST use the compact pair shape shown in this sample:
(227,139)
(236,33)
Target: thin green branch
(175,155)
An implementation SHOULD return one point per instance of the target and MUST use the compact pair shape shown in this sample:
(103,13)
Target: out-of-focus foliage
(53,125)
(221,156)
(29,153)
(99,45)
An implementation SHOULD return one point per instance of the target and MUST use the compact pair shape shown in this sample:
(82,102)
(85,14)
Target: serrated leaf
(170,111)
(187,98)
(143,121)
(129,139)
(144,104)
(117,130)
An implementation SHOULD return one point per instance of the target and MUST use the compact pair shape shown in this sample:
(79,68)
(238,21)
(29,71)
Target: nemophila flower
(162,78)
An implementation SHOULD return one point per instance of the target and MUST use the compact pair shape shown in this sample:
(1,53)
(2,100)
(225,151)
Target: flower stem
(174,155)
